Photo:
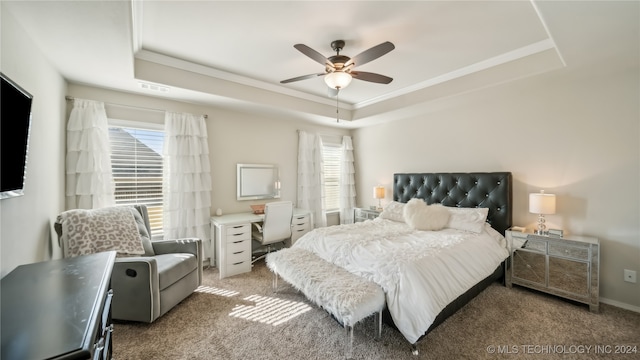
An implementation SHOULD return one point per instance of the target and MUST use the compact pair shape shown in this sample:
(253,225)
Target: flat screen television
(15,123)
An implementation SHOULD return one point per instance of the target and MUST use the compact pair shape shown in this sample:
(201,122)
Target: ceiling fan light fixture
(337,79)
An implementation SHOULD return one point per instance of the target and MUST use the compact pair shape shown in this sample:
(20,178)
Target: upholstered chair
(149,277)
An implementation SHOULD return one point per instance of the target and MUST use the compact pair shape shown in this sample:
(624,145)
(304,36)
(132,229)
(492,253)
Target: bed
(426,275)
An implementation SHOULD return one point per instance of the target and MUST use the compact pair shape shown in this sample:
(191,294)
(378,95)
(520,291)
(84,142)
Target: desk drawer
(238,252)
(238,268)
(238,229)
(300,220)
(238,257)
(238,246)
(300,227)
(238,237)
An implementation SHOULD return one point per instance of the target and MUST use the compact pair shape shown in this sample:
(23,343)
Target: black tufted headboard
(491,190)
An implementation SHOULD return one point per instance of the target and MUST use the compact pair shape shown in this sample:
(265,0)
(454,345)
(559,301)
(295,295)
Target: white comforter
(420,271)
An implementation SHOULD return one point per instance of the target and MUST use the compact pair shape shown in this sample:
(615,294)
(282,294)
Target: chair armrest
(187,245)
(258,227)
(136,293)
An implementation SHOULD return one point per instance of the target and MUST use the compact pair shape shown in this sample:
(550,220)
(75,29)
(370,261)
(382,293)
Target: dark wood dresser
(58,309)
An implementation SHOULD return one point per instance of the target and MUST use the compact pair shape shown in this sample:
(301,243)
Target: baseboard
(620,305)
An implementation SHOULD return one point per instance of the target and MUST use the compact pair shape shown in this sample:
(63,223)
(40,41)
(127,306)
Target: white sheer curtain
(88,166)
(310,177)
(187,177)
(347,182)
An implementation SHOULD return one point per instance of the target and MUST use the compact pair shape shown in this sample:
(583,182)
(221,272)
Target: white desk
(231,246)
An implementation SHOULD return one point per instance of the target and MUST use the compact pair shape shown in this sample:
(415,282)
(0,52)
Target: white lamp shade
(337,79)
(542,203)
(378,192)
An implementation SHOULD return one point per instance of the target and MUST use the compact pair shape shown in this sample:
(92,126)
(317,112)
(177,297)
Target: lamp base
(542,228)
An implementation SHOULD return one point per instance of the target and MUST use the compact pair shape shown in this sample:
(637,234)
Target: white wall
(572,133)
(26,231)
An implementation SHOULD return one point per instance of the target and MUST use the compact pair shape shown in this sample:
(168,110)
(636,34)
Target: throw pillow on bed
(468,219)
(421,216)
(393,211)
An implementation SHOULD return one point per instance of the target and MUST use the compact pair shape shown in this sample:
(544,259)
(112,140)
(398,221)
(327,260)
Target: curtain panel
(89,182)
(347,182)
(310,177)
(187,177)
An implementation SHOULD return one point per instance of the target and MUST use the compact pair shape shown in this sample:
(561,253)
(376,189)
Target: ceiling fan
(339,71)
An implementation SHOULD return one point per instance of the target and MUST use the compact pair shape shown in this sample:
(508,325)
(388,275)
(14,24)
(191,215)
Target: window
(331,156)
(136,163)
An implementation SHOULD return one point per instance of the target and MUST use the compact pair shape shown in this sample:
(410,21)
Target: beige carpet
(240,318)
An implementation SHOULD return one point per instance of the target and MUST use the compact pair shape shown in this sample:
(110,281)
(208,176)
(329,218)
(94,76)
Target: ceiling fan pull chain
(337,105)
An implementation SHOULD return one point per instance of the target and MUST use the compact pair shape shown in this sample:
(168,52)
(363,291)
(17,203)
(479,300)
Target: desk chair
(276,227)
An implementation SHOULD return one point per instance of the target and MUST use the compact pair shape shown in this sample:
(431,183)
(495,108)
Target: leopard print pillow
(96,230)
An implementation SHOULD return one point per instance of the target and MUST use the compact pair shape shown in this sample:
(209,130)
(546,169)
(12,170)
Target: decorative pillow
(421,216)
(91,231)
(468,219)
(393,211)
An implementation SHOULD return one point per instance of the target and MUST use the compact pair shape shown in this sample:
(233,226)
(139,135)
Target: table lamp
(542,204)
(378,193)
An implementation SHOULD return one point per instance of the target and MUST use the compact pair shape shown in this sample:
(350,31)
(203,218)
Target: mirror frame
(241,178)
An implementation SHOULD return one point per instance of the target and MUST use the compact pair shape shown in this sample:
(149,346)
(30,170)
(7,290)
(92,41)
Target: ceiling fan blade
(371,77)
(314,55)
(371,54)
(303,77)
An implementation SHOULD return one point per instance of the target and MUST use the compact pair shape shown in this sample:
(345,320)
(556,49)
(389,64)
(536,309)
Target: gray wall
(26,231)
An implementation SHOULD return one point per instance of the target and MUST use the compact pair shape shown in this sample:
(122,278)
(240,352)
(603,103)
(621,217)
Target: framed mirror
(257,181)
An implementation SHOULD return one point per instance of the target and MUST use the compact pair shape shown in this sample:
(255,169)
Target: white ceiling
(235,53)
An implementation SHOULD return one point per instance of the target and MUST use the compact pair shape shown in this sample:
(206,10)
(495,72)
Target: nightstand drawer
(536,245)
(569,251)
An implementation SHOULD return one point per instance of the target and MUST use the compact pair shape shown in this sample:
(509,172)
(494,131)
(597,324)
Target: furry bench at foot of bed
(348,297)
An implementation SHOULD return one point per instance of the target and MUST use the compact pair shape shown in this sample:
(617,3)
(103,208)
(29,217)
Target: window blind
(331,156)
(136,163)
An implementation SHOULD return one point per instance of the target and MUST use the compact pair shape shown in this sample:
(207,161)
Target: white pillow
(421,216)
(393,211)
(468,219)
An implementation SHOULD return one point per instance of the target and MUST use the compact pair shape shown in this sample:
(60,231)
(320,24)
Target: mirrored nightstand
(362,214)
(568,267)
